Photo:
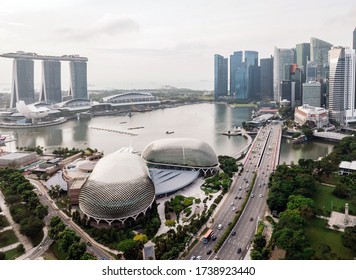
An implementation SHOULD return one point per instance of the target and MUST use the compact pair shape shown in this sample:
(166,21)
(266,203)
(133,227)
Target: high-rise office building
(342,92)
(235,63)
(311,72)
(266,74)
(312,94)
(78,87)
(242,81)
(281,58)
(220,76)
(354,40)
(319,54)
(22,82)
(302,56)
(251,58)
(254,82)
(51,82)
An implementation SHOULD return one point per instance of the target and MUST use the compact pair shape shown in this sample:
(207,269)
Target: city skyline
(163,43)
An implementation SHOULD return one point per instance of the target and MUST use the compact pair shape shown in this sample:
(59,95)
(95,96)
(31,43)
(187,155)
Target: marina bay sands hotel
(50,92)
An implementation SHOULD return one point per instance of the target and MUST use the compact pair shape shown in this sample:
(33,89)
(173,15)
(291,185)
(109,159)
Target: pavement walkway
(16,227)
(9,247)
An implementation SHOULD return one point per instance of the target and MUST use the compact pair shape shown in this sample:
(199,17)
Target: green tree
(66,238)
(349,238)
(87,256)
(76,251)
(130,248)
(141,238)
(31,226)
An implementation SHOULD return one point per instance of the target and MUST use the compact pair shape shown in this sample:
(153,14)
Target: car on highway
(240,197)
(251,219)
(213,237)
(261,195)
(217,257)
(192,257)
(233,233)
(239,250)
(209,252)
(236,197)
(233,208)
(220,226)
(232,204)
(198,257)
(252,195)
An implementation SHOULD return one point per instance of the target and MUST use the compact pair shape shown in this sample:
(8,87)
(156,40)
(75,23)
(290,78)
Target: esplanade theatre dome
(118,188)
(181,152)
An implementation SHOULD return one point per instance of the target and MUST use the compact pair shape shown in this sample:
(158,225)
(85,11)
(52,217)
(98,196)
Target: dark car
(209,252)
(251,219)
(233,233)
(213,238)
(239,251)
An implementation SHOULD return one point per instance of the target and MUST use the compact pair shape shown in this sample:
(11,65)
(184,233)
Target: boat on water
(169,132)
(233,132)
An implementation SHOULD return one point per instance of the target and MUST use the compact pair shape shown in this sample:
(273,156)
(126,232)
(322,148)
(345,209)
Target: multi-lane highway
(261,159)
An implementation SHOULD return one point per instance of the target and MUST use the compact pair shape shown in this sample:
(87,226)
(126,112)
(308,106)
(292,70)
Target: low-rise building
(18,159)
(319,116)
(346,167)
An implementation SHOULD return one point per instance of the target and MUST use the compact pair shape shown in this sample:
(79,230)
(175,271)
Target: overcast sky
(152,43)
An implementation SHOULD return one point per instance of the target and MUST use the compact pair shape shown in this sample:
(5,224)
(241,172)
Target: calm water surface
(202,121)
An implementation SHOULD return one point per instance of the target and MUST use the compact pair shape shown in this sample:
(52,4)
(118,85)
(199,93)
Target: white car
(261,195)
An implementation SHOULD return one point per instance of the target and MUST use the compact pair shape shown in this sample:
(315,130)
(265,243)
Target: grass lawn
(4,221)
(317,234)
(12,254)
(7,238)
(324,199)
(333,179)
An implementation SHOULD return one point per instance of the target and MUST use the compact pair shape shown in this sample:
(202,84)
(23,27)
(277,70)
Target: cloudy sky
(152,43)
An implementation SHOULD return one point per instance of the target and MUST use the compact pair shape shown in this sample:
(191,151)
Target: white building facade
(306,113)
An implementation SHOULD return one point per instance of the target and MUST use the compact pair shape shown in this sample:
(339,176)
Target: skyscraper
(242,81)
(312,94)
(342,95)
(281,58)
(22,82)
(254,82)
(51,81)
(354,40)
(220,76)
(319,54)
(78,87)
(251,58)
(302,56)
(311,72)
(266,75)
(235,62)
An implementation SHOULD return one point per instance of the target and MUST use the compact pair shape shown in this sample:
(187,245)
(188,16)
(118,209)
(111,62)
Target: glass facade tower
(235,63)
(51,82)
(266,75)
(22,82)
(281,58)
(78,80)
(220,76)
(319,54)
(342,99)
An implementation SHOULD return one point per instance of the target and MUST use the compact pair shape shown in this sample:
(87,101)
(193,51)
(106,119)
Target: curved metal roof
(181,151)
(119,187)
